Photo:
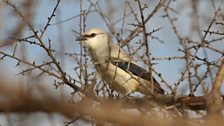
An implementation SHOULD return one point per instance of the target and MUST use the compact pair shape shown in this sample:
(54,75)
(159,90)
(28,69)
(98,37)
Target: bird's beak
(81,38)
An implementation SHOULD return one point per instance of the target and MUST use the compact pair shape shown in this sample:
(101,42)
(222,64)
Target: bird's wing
(138,71)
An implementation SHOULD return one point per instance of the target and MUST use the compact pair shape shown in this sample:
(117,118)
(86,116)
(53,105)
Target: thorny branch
(88,88)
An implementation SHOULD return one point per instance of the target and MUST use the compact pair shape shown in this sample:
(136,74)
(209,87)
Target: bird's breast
(117,78)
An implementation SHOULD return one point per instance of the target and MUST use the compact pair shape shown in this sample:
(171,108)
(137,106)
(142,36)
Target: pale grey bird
(119,71)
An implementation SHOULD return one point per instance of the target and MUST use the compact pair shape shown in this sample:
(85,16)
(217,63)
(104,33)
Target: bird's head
(94,38)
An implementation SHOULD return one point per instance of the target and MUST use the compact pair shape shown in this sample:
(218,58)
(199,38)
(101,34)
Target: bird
(116,67)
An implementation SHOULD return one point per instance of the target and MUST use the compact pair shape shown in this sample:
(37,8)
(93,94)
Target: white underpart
(102,51)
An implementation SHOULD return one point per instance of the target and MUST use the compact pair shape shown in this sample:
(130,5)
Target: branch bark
(215,101)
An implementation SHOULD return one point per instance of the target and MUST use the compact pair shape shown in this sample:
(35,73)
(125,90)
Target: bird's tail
(147,88)
(158,89)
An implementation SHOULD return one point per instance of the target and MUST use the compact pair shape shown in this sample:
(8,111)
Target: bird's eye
(92,35)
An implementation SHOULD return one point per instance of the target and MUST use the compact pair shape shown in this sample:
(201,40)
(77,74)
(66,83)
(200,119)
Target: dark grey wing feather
(138,71)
